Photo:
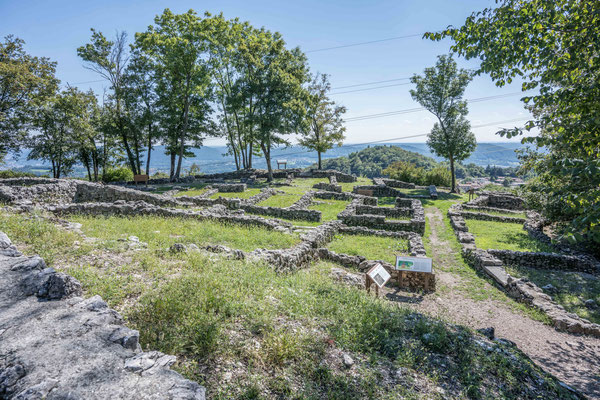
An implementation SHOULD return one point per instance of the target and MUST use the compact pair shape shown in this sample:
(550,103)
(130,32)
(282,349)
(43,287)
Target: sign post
(377,275)
(413,264)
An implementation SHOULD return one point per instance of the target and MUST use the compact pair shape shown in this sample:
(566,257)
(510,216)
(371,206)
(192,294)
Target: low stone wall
(202,201)
(505,200)
(492,217)
(56,345)
(467,206)
(377,191)
(61,191)
(123,208)
(261,196)
(390,212)
(340,176)
(367,200)
(230,187)
(546,261)
(395,183)
(327,187)
(415,242)
(352,216)
(287,213)
(433,192)
(529,293)
(303,202)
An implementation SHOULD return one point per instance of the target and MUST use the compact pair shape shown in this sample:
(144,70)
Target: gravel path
(573,359)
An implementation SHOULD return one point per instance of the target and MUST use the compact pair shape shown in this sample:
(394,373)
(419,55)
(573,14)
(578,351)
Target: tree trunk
(267,150)
(172,172)
(453,189)
(319,153)
(186,110)
(149,149)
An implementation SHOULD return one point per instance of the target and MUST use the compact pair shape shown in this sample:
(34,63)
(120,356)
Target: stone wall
(390,212)
(394,183)
(123,208)
(433,192)
(230,187)
(546,261)
(492,217)
(202,201)
(378,191)
(340,176)
(327,187)
(261,196)
(346,196)
(287,213)
(352,216)
(56,345)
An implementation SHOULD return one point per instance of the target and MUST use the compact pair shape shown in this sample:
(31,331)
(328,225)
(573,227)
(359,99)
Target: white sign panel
(379,275)
(415,264)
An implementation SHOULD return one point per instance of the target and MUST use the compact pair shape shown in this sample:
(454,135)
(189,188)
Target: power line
(363,43)
(369,83)
(373,88)
(416,109)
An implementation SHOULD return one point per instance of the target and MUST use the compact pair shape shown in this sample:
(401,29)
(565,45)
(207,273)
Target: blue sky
(56,28)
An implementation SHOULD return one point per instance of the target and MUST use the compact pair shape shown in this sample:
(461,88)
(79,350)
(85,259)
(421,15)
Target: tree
(65,132)
(109,59)
(177,47)
(276,79)
(440,91)
(323,127)
(552,46)
(26,82)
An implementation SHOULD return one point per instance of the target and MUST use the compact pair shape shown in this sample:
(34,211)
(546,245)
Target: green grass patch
(414,192)
(386,201)
(161,233)
(246,194)
(504,236)
(499,213)
(329,208)
(371,247)
(280,200)
(572,289)
(191,192)
(348,186)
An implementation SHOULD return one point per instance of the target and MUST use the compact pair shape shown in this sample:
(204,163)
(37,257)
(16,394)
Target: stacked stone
(492,217)
(378,190)
(261,196)
(142,208)
(303,202)
(287,213)
(433,192)
(327,187)
(340,176)
(467,206)
(390,212)
(367,200)
(395,183)
(529,293)
(542,260)
(93,355)
(230,187)
(202,201)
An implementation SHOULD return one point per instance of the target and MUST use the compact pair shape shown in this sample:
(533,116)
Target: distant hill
(211,159)
(372,161)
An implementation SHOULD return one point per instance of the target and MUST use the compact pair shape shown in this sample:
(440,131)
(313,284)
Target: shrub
(118,174)
(438,176)
(160,175)
(9,173)
(406,172)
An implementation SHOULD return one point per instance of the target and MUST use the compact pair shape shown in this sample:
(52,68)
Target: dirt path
(573,359)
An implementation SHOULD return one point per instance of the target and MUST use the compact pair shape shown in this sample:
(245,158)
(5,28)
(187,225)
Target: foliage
(553,47)
(10,173)
(440,91)
(118,174)
(323,127)
(408,172)
(25,83)
(371,162)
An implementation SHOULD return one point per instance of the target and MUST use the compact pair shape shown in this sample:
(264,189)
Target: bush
(118,174)
(160,175)
(9,173)
(406,172)
(439,176)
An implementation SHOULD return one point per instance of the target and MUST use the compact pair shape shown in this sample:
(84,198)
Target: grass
(280,200)
(499,213)
(504,236)
(572,289)
(329,208)
(246,194)
(191,192)
(281,334)
(348,186)
(414,192)
(371,247)
(386,202)
(161,233)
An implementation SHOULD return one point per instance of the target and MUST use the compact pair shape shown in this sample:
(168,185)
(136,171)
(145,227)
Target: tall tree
(440,90)
(323,127)
(276,78)
(109,59)
(64,132)
(177,46)
(26,82)
(552,46)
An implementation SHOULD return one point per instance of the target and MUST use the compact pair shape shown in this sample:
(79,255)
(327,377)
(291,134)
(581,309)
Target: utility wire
(369,83)
(416,109)
(363,43)
(373,88)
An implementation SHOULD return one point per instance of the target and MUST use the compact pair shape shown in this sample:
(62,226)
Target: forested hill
(372,161)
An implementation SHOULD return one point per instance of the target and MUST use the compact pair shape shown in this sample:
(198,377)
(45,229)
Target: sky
(56,28)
